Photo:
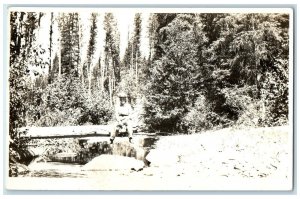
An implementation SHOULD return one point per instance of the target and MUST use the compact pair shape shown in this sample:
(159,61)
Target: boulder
(113,163)
(160,158)
(16,169)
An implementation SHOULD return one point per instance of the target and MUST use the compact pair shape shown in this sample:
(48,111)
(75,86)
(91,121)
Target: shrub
(66,102)
(96,110)
(196,118)
(201,117)
(251,116)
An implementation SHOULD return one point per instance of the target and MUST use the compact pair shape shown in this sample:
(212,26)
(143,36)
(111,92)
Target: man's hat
(122,94)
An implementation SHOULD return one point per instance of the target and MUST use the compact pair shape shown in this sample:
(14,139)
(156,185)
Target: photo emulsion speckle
(150,99)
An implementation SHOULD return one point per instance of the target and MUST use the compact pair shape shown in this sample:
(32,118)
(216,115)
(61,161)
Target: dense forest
(203,71)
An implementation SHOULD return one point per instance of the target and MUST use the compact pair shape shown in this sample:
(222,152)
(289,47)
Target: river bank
(228,159)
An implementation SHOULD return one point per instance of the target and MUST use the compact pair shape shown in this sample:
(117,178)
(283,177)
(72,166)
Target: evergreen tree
(91,49)
(172,86)
(133,61)
(136,52)
(252,40)
(112,54)
(70,44)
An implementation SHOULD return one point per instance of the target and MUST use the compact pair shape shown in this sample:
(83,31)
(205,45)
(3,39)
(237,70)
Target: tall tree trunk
(59,58)
(131,66)
(263,113)
(109,90)
(102,78)
(136,69)
(99,78)
(82,75)
(110,83)
(50,50)
(113,77)
(70,51)
(89,81)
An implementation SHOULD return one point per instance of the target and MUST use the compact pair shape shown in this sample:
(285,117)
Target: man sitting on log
(123,117)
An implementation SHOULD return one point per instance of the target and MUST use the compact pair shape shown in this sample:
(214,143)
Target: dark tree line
(216,70)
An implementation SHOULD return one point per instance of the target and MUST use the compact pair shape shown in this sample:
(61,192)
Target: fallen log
(64,131)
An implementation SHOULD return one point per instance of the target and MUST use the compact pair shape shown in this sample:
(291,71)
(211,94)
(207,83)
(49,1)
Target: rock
(113,163)
(17,169)
(162,158)
(130,150)
(22,169)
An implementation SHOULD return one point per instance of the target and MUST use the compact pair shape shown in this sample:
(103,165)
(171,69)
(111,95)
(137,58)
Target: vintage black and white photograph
(150,99)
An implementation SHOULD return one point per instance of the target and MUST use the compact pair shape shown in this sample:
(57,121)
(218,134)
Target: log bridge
(65,131)
(93,140)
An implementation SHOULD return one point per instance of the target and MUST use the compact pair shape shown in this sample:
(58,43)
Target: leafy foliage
(200,117)
(24,53)
(233,69)
(69,103)
(172,86)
